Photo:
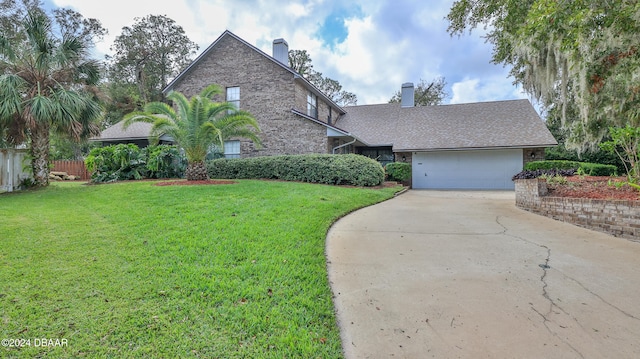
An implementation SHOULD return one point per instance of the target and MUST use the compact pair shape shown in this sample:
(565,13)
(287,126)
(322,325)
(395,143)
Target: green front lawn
(143,271)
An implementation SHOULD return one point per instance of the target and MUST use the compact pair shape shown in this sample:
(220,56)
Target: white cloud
(490,89)
(387,43)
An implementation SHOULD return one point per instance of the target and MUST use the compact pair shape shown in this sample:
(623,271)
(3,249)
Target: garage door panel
(485,169)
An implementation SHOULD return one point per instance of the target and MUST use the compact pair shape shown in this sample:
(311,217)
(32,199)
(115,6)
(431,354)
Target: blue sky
(370,46)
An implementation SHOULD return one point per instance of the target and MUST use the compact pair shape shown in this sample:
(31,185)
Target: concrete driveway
(439,274)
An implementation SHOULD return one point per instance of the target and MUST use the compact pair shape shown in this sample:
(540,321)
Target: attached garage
(460,146)
(479,169)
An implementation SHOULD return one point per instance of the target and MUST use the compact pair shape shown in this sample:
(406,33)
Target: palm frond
(210,91)
(11,99)
(160,108)
(197,123)
(139,116)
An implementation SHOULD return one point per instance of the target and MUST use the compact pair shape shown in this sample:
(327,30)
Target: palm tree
(43,83)
(196,125)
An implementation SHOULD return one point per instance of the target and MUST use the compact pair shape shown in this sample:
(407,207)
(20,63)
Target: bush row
(128,161)
(589,169)
(348,169)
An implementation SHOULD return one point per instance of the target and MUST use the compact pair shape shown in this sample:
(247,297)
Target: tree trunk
(197,171)
(40,154)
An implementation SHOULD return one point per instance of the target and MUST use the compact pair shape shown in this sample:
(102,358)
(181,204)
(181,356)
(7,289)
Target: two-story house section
(293,115)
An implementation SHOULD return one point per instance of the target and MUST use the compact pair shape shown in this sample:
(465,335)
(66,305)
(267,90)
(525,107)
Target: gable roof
(211,47)
(499,124)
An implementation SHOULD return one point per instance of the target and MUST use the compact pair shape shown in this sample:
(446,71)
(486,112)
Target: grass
(133,270)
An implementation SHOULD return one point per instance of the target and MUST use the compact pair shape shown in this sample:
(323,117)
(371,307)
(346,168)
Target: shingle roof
(137,130)
(499,124)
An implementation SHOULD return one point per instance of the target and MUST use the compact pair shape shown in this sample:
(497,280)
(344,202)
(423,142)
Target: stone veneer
(619,218)
(267,91)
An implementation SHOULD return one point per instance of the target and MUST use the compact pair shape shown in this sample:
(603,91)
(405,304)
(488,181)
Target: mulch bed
(596,187)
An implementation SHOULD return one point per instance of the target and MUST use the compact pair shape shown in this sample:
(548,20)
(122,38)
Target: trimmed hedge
(589,169)
(551,165)
(348,169)
(398,171)
(597,169)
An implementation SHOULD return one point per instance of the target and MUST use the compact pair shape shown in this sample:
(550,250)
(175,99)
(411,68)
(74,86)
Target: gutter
(333,152)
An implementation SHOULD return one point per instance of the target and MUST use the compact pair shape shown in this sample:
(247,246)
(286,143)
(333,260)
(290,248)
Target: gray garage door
(482,169)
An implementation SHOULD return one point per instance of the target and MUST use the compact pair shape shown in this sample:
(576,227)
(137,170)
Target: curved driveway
(439,274)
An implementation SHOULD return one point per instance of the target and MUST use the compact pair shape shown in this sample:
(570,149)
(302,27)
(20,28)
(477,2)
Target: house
(479,145)
(138,134)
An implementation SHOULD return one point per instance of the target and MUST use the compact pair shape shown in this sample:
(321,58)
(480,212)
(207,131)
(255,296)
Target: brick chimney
(407,95)
(281,51)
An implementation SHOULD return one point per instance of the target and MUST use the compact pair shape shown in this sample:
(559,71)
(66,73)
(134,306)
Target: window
(233,96)
(231,149)
(312,105)
(384,155)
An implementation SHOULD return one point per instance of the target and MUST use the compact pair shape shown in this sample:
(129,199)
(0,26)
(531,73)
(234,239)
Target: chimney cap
(280,41)
(407,84)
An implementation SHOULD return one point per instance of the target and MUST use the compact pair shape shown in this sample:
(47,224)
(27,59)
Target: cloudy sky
(370,46)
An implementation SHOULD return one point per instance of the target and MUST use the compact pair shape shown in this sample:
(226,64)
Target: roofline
(309,85)
(188,69)
(163,137)
(304,115)
(118,139)
(469,148)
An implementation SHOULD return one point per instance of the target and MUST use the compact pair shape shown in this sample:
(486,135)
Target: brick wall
(618,218)
(267,91)
(532,154)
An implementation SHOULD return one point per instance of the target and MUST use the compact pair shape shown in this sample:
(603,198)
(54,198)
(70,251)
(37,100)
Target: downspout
(343,145)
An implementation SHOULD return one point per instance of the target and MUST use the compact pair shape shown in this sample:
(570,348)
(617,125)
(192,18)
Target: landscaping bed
(595,187)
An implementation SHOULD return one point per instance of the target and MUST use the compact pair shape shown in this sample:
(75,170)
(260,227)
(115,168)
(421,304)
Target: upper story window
(312,105)
(233,96)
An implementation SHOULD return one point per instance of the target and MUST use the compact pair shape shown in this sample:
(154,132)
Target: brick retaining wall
(619,218)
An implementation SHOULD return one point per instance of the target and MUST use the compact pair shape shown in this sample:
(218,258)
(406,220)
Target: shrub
(398,171)
(596,169)
(127,162)
(116,163)
(349,169)
(550,165)
(165,161)
(589,169)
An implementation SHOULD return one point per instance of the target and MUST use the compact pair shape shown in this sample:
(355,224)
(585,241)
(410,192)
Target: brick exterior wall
(267,91)
(532,154)
(618,218)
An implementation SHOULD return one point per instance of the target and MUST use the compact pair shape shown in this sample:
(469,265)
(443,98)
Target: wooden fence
(72,167)
(12,169)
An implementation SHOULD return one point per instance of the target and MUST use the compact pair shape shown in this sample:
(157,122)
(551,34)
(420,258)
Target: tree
(197,125)
(587,51)
(300,62)
(426,94)
(625,143)
(148,54)
(47,83)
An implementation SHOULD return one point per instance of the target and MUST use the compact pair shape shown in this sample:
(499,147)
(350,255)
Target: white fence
(11,169)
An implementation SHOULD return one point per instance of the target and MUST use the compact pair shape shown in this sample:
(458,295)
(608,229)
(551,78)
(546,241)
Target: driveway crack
(620,310)
(545,293)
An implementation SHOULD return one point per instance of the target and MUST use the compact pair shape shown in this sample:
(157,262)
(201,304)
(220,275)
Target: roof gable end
(226,33)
